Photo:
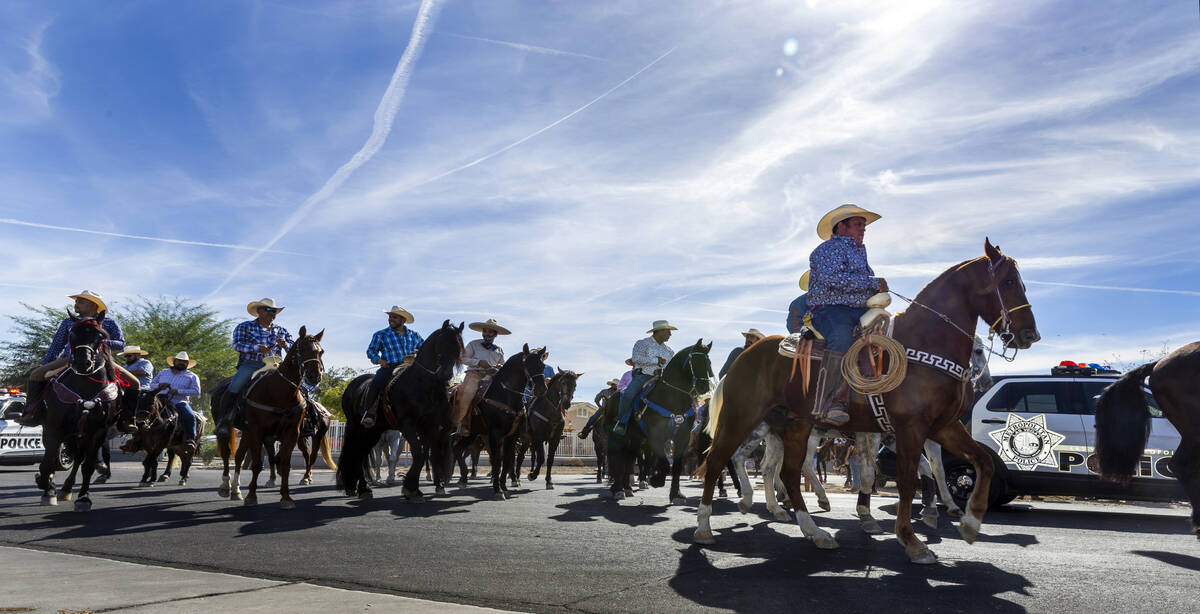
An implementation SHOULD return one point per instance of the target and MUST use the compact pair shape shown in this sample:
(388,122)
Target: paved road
(569,549)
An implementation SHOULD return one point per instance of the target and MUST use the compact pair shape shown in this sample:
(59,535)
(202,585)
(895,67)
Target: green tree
(33,334)
(333,384)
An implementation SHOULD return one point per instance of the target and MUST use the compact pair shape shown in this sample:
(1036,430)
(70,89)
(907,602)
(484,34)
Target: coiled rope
(886,382)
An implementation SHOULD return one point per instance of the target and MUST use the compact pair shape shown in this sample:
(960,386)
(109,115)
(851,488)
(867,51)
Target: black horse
(544,424)
(663,421)
(498,414)
(81,403)
(157,429)
(606,406)
(416,405)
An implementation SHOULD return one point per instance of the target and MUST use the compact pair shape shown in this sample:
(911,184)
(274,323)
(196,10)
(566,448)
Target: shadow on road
(1182,561)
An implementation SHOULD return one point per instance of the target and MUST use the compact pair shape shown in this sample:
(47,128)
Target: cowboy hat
(613,382)
(252,308)
(844,212)
(133,349)
(183,356)
(272,360)
(400,311)
(91,296)
(491,323)
(754,333)
(660,325)
(804,280)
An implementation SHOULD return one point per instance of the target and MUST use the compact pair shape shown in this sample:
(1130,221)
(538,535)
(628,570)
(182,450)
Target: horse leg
(933,451)
(725,444)
(64,493)
(393,456)
(185,464)
(810,474)
(496,460)
(537,457)
(255,446)
(302,443)
(90,449)
(235,488)
(286,445)
(412,480)
(929,511)
(677,497)
(866,482)
(955,438)
(739,473)
(510,458)
(772,463)
(908,451)
(227,446)
(795,443)
(45,475)
(272,462)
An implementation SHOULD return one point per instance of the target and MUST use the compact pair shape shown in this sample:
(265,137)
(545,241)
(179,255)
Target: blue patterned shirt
(58,347)
(142,364)
(796,312)
(840,274)
(250,334)
(393,346)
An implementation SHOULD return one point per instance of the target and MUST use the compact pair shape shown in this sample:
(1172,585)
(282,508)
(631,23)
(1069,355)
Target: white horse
(388,448)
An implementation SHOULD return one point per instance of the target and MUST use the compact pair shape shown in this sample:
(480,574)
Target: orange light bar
(14,391)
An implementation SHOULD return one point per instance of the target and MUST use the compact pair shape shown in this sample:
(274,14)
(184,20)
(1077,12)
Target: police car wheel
(65,458)
(960,479)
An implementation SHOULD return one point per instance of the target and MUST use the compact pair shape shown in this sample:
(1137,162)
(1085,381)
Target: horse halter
(92,354)
(1007,335)
(694,391)
(295,358)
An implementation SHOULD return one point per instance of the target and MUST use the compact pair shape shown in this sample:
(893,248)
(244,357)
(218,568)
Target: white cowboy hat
(182,356)
(613,382)
(400,311)
(272,360)
(804,280)
(133,349)
(252,308)
(754,333)
(91,296)
(491,323)
(660,325)
(825,226)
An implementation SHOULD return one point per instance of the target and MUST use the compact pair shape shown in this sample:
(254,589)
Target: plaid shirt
(393,346)
(250,334)
(58,347)
(840,274)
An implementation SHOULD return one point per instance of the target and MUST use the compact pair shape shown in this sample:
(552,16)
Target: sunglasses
(269,309)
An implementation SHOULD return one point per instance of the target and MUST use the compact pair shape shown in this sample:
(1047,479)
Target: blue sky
(579,169)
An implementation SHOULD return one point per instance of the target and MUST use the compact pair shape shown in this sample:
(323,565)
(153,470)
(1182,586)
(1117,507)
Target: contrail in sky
(5,220)
(524,47)
(385,113)
(1117,288)
(551,125)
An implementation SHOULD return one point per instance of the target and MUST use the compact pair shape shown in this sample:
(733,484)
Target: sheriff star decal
(1027,443)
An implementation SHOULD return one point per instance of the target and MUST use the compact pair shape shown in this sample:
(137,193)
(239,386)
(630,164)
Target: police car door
(1161,445)
(1028,421)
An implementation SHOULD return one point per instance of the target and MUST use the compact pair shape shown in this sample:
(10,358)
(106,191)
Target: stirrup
(835,417)
(368,421)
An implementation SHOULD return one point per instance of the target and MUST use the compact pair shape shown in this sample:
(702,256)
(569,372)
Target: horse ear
(577,375)
(709,347)
(320,334)
(461,326)
(993,253)
(525,348)
(700,343)
(446,323)
(303,331)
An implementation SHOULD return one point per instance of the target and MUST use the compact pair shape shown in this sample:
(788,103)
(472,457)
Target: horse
(498,413)
(314,439)
(157,424)
(700,444)
(926,405)
(544,424)
(274,409)
(416,405)
(663,421)
(387,450)
(81,403)
(472,447)
(1123,421)
(606,406)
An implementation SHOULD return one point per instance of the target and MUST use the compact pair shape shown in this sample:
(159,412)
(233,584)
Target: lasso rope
(886,382)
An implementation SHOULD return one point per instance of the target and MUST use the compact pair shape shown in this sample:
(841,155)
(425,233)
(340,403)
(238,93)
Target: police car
(21,445)
(1040,432)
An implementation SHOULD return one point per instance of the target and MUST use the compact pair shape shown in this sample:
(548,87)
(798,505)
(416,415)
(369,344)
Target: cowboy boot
(224,427)
(35,409)
(832,408)
(129,403)
(368,419)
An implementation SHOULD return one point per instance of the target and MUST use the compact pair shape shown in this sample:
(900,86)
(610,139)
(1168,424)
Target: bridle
(694,391)
(302,363)
(92,354)
(437,355)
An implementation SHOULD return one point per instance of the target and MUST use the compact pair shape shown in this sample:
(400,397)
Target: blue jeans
(244,371)
(836,323)
(187,419)
(382,375)
(627,396)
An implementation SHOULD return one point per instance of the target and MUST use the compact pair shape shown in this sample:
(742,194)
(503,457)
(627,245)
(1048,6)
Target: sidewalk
(37,581)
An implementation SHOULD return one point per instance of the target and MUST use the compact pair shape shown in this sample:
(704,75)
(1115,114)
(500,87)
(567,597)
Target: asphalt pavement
(569,549)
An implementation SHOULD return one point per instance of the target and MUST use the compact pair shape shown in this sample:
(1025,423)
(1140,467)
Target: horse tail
(325,453)
(1122,425)
(352,461)
(714,409)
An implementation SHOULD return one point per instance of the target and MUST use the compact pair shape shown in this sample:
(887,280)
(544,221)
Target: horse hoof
(954,512)
(871,527)
(628,492)
(704,537)
(783,516)
(968,530)
(83,505)
(825,505)
(251,500)
(620,494)
(549,486)
(163,478)
(743,507)
(500,496)
(678,501)
(287,504)
(439,490)
(643,485)
(269,484)
(64,496)
(723,493)
(363,495)
(48,500)
(235,495)
(100,480)
(183,481)
(306,481)
(462,483)
(391,481)
(923,557)
(825,542)
(930,520)
(223,491)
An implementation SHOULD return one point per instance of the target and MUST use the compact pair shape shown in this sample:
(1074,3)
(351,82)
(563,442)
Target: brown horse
(273,412)
(926,405)
(157,430)
(1123,420)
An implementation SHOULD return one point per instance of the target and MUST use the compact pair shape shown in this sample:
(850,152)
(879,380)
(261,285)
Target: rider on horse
(88,304)
(841,283)
(751,336)
(177,384)
(798,310)
(392,347)
(649,357)
(254,340)
(480,357)
(602,399)
(137,365)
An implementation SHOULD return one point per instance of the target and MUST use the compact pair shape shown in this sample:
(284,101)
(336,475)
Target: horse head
(148,405)
(307,351)
(699,367)
(1002,301)
(533,363)
(87,342)
(442,352)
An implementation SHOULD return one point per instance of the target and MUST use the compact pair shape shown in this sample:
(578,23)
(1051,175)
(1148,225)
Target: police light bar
(14,391)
